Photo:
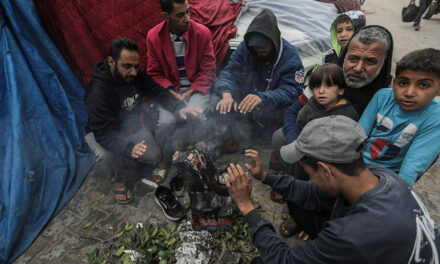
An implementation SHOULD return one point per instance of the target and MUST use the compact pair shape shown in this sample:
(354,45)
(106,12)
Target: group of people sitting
(352,146)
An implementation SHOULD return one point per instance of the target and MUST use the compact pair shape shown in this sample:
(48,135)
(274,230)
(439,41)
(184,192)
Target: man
(114,99)
(181,59)
(355,213)
(264,75)
(367,64)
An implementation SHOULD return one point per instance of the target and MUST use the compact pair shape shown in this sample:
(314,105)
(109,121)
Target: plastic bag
(409,13)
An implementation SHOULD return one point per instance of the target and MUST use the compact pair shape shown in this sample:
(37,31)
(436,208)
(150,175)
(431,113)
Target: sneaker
(167,201)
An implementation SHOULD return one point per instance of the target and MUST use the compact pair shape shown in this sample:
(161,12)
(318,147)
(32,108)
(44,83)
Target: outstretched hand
(226,104)
(138,149)
(195,111)
(240,188)
(249,103)
(256,168)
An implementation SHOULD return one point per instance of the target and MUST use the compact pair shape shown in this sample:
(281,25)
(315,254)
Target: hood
(102,71)
(265,23)
(384,78)
(357,18)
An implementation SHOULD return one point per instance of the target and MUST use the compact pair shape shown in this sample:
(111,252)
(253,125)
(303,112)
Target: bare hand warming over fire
(138,149)
(195,111)
(255,168)
(249,103)
(240,188)
(179,97)
(226,104)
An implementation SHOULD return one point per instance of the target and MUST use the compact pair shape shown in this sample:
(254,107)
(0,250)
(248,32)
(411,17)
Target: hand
(195,111)
(226,103)
(138,149)
(240,188)
(178,96)
(186,95)
(249,103)
(255,168)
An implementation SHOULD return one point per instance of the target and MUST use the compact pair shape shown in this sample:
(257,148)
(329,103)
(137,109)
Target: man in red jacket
(181,59)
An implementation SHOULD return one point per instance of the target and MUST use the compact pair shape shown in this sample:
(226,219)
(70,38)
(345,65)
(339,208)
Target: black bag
(409,13)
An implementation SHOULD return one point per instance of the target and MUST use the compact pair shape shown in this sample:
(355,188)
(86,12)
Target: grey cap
(258,40)
(334,139)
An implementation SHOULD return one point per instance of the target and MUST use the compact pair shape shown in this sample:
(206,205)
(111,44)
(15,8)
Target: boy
(403,123)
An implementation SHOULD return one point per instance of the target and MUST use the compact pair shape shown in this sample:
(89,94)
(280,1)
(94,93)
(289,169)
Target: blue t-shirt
(406,142)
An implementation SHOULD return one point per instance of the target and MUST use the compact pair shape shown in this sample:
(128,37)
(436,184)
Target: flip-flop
(285,214)
(123,192)
(276,197)
(289,228)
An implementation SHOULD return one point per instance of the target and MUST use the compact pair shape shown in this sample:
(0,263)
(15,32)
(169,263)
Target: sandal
(123,192)
(285,214)
(158,175)
(276,197)
(289,228)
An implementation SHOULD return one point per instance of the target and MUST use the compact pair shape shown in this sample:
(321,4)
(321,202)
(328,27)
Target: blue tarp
(43,155)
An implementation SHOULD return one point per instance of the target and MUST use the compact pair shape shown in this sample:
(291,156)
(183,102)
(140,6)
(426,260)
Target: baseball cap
(258,40)
(334,139)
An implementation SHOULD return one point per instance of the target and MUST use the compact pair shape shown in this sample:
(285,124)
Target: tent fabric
(344,5)
(304,23)
(44,157)
(84,29)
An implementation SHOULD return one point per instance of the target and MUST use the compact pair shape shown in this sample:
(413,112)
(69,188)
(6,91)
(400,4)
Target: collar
(174,36)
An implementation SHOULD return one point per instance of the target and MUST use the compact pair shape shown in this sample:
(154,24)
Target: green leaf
(105,261)
(172,241)
(87,225)
(128,226)
(119,234)
(101,196)
(96,206)
(154,232)
(162,255)
(228,235)
(163,261)
(120,250)
(172,227)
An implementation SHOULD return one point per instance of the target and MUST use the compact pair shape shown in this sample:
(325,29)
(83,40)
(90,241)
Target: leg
(311,222)
(422,8)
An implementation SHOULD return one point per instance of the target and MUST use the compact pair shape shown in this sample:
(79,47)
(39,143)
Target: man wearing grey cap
(354,213)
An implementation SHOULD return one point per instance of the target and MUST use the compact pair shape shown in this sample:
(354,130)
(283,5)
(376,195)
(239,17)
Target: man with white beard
(367,65)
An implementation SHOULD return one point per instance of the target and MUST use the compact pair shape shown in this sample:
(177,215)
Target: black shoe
(166,199)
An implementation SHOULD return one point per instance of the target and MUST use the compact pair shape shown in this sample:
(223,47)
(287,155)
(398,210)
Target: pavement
(66,240)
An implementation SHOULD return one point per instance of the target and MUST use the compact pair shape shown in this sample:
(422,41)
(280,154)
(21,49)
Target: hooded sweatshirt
(278,81)
(115,107)
(360,97)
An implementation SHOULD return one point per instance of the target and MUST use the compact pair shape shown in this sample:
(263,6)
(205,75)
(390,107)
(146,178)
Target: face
(363,63)
(344,31)
(327,96)
(126,67)
(321,178)
(178,20)
(263,52)
(414,90)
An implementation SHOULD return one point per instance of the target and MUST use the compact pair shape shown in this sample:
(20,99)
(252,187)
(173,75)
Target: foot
(289,228)
(416,27)
(276,197)
(122,194)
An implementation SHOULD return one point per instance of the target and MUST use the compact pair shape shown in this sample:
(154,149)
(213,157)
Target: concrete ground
(65,240)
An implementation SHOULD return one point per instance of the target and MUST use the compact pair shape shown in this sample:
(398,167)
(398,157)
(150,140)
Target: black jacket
(360,97)
(313,110)
(115,107)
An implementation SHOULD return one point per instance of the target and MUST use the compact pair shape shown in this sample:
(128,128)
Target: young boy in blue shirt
(403,123)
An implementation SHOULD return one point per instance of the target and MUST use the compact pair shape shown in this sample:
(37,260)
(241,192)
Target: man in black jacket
(122,115)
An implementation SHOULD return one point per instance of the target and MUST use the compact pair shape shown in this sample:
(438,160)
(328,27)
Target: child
(403,123)
(327,83)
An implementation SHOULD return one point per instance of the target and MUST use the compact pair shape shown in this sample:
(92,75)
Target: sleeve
(289,128)
(156,92)
(230,77)
(153,68)
(303,193)
(102,122)
(423,151)
(206,68)
(290,84)
(331,246)
(368,118)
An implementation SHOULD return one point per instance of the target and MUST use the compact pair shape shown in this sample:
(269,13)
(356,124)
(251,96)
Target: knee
(278,140)
(152,156)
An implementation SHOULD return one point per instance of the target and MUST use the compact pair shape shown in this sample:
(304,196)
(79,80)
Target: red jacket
(199,57)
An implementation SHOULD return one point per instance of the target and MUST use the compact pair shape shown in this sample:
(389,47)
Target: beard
(118,76)
(365,78)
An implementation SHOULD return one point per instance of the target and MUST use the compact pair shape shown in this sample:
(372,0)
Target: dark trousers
(309,221)
(424,4)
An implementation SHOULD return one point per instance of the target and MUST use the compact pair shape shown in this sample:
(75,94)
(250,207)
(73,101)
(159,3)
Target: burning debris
(211,205)
(193,241)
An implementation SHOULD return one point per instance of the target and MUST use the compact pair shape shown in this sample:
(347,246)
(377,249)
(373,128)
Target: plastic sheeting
(304,23)
(43,157)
